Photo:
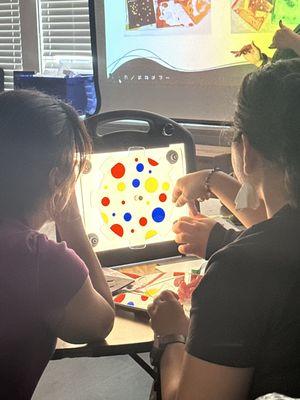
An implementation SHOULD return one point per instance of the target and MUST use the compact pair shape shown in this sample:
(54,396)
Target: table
(130,335)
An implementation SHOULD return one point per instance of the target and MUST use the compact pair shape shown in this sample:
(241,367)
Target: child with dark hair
(47,289)
(242,338)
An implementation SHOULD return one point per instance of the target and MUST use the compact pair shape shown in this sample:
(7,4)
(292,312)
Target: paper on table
(184,266)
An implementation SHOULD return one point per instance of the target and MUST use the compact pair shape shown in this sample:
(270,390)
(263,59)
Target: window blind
(65,34)
(10,40)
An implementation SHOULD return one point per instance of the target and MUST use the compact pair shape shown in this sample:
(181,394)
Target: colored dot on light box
(158,214)
(140,167)
(162,197)
(127,217)
(136,183)
(166,186)
(105,201)
(121,187)
(151,185)
(118,170)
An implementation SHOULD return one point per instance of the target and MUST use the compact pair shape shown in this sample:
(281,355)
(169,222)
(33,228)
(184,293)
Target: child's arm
(71,229)
(192,187)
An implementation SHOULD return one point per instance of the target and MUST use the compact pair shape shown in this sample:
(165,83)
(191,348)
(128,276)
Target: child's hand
(190,188)
(251,53)
(284,38)
(192,234)
(71,211)
(167,315)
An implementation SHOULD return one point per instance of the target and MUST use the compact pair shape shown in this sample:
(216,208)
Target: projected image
(166,13)
(251,14)
(126,197)
(263,15)
(186,36)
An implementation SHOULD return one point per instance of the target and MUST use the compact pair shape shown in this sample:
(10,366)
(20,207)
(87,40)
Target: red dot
(123,202)
(143,221)
(144,298)
(117,229)
(118,171)
(152,162)
(136,160)
(163,197)
(119,298)
(132,230)
(105,201)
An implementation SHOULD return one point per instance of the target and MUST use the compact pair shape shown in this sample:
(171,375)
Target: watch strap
(160,343)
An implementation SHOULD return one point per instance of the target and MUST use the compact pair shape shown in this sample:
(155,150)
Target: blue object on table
(78,90)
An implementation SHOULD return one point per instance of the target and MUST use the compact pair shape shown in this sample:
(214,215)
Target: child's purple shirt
(37,276)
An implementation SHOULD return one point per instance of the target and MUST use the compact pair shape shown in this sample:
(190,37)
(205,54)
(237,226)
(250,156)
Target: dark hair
(268,113)
(37,134)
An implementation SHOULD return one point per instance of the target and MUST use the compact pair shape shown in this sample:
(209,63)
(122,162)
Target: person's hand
(192,234)
(70,212)
(284,38)
(190,188)
(167,315)
(251,53)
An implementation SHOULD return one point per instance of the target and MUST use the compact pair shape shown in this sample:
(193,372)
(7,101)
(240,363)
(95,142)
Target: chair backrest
(161,136)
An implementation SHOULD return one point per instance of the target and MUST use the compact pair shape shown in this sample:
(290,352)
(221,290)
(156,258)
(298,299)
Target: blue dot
(136,183)
(140,167)
(158,214)
(150,172)
(127,217)
(130,303)
(113,214)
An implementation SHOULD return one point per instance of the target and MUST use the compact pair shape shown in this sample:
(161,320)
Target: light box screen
(125,197)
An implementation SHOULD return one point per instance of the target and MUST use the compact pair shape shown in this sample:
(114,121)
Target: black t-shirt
(246,310)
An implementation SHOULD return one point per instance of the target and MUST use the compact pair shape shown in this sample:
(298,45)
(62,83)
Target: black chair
(1,80)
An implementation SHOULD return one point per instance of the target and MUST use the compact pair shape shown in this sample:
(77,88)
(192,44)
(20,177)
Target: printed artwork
(147,287)
(167,13)
(287,10)
(253,12)
(126,197)
(140,13)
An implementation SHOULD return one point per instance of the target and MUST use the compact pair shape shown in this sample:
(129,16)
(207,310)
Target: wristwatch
(159,345)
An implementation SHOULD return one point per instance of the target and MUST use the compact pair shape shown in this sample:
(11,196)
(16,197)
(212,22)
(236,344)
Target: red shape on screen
(119,298)
(105,201)
(143,221)
(117,229)
(163,197)
(118,170)
(152,162)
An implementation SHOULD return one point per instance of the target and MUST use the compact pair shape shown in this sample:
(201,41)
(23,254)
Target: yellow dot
(152,292)
(104,217)
(166,186)
(151,185)
(105,187)
(148,203)
(121,187)
(150,234)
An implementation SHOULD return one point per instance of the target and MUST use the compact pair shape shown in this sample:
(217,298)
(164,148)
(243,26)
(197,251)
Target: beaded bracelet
(207,181)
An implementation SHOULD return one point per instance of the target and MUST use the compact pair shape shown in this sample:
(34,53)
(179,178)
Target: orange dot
(143,221)
(105,201)
(118,171)
(162,197)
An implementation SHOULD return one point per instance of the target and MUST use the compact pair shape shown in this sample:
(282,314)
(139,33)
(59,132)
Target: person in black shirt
(243,335)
